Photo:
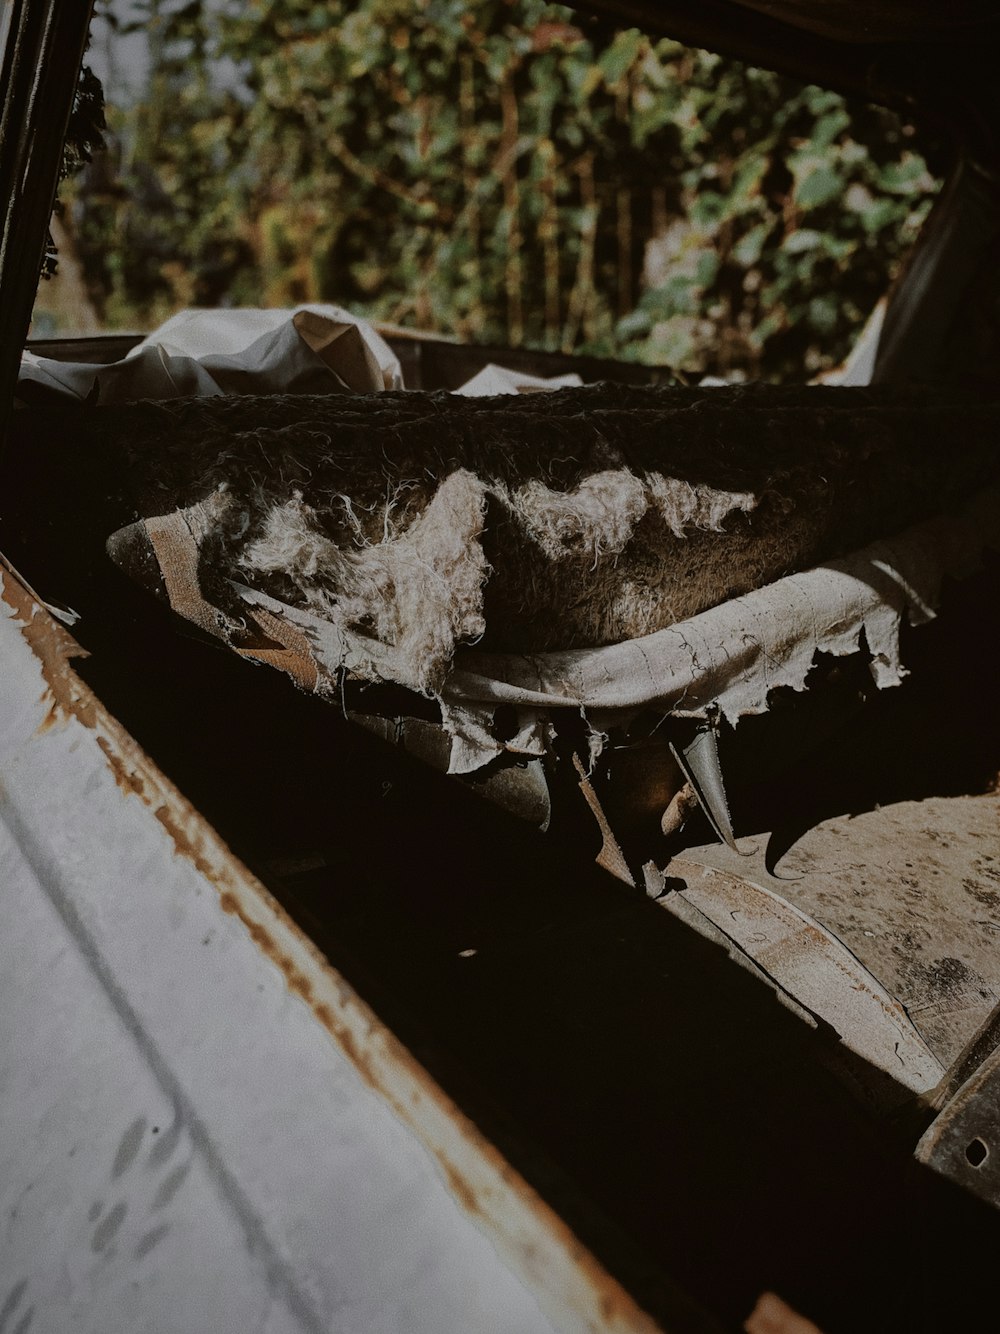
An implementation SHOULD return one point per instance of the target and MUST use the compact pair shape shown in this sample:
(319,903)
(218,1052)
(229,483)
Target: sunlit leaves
(817,182)
(617,60)
(489,171)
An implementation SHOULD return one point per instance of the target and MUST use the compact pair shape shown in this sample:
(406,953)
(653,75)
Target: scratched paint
(569,1284)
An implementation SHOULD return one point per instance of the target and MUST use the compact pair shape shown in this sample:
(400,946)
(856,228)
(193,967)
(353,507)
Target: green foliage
(487,172)
(84,138)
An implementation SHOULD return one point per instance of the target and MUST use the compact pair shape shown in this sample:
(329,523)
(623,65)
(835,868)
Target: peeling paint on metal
(54,648)
(129,781)
(570,1284)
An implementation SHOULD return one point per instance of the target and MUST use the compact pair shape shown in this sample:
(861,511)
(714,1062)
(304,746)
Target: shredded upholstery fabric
(420,591)
(608,512)
(601,548)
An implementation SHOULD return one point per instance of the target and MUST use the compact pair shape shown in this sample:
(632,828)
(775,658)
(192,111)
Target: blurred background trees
(490,171)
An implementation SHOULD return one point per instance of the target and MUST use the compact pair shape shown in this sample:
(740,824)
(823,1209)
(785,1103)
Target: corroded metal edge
(963,1141)
(816,969)
(570,1284)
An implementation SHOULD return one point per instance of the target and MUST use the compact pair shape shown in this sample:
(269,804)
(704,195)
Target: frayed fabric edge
(724,661)
(729,659)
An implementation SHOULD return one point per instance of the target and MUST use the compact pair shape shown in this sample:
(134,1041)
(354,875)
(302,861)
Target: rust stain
(126,778)
(184,844)
(53,717)
(136,775)
(459,1187)
(342,1034)
(301,986)
(54,647)
(616,1307)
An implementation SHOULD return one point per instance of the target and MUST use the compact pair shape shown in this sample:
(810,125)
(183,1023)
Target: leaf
(749,174)
(748,249)
(837,248)
(707,268)
(675,343)
(619,57)
(801,240)
(820,186)
(823,312)
(636,324)
(708,210)
(827,128)
(415,215)
(820,100)
(905,177)
(881,213)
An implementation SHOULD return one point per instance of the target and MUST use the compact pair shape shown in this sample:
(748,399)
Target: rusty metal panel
(207,1127)
(963,1143)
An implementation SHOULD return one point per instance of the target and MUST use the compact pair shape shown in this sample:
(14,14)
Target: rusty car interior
(684,1105)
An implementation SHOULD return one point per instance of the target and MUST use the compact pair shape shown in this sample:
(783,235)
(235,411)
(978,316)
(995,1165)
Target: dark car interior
(688,1126)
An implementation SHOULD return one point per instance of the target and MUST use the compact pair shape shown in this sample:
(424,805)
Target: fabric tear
(472,741)
(397,606)
(595,519)
(613,512)
(533,736)
(615,549)
(731,657)
(419,592)
(685,507)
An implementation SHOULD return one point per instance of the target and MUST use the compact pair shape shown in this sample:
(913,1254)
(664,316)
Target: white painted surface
(183,1148)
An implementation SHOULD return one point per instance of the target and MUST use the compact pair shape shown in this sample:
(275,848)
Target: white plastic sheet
(731,657)
(314,349)
(724,661)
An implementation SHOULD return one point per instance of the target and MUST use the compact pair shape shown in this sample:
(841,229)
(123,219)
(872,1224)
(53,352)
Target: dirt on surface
(913,890)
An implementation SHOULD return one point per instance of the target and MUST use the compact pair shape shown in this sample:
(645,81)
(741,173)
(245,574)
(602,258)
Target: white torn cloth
(730,658)
(315,349)
(493,379)
(724,660)
(420,592)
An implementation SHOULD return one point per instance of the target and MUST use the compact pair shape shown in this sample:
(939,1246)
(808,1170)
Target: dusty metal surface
(913,889)
(368,1201)
(814,968)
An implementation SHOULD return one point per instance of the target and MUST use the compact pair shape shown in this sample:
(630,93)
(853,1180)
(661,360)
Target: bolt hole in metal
(977,1152)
